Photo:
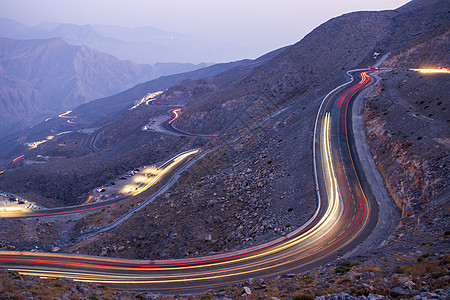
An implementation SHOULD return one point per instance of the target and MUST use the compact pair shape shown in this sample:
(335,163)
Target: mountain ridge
(145,45)
(57,76)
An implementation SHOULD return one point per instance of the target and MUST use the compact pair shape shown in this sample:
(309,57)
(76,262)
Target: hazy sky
(263,24)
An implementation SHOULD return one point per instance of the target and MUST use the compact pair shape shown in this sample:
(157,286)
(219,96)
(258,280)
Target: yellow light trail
(17,159)
(65,115)
(314,240)
(13,209)
(311,236)
(33,145)
(315,233)
(146,182)
(147,99)
(430,70)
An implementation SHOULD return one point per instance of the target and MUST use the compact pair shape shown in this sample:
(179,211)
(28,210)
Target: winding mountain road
(165,169)
(168,125)
(345,216)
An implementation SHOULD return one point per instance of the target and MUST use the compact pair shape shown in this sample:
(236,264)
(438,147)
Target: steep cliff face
(407,121)
(407,127)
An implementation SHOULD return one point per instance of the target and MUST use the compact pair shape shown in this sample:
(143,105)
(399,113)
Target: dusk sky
(261,24)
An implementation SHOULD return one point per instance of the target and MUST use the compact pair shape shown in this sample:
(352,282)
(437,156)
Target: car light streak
(65,115)
(203,135)
(17,159)
(170,105)
(176,116)
(365,79)
(345,98)
(143,183)
(436,70)
(13,209)
(92,140)
(147,99)
(175,112)
(34,145)
(344,215)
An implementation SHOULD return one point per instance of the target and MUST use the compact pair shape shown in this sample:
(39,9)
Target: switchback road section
(346,215)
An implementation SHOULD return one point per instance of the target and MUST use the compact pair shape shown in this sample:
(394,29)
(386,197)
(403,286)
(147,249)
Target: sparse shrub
(304,297)
(341,270)
(361,290)
(351,263)
(345,264)
(290,209)
(423,256)
(355,263)
(344,280)
(445,260)
(436,275)
(447,233)
(308,279)
(370,269)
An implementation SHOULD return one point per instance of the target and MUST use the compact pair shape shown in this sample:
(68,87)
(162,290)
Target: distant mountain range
(143,44)
(43,77)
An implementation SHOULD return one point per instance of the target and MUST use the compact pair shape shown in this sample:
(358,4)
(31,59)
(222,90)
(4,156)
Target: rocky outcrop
(406,120)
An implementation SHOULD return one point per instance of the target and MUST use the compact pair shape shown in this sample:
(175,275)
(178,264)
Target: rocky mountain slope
(407,123)
(40,78)
(121,135)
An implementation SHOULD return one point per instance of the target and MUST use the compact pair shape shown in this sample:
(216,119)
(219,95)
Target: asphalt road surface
(346,215)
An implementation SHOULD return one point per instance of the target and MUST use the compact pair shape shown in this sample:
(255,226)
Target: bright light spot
(152,170)
(65,115)
(34,145)
(13,210)
(440,70)
(140,179)
(61,133)
(147,99)
(154,175)
(17,159)
(128,189)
